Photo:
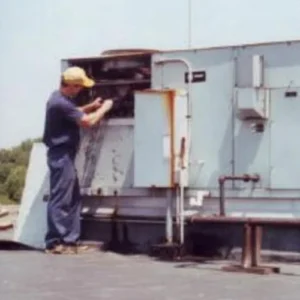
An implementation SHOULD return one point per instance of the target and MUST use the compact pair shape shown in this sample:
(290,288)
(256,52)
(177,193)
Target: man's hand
(91,106)
(107,105)
(97,103)
(91,119)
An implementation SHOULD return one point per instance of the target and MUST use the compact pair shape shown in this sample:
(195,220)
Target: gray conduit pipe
(180,205)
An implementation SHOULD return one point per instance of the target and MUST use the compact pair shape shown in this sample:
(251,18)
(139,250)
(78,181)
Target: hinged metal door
(160,137)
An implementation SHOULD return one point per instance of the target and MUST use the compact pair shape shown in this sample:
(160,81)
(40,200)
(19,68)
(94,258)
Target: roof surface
(38,276)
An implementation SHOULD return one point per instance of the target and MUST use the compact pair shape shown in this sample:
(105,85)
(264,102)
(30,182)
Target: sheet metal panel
(252,148)
(212,123)
(151,141)
(160,126)
(105,157)
(31,225)
(281,64)
(285,142)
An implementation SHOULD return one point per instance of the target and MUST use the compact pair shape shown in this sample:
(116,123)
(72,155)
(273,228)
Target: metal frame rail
(252,241)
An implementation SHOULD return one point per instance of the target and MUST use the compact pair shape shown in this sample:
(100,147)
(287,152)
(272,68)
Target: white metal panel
(212,112)
(252,153)
(251,103)
(285,142)
(31,223)
(216,134)
(255,207)
(160,125)
(105,157)
(258,70)
(151,138)
(212,118)
(285,76)
(281,64)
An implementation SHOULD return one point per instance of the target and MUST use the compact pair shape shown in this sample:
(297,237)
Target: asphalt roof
(30,275)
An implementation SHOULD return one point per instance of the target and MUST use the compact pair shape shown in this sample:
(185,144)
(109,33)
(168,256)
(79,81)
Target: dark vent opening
(117,76)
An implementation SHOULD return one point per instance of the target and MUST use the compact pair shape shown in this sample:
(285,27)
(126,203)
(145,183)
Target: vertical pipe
(246,256)
(221,197)
(233,106)
(169,220)
(177,212)
(189,104)
(256,239)
(181,208)
(269,124)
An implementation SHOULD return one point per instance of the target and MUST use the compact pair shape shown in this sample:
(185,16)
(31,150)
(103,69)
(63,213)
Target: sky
(36,34)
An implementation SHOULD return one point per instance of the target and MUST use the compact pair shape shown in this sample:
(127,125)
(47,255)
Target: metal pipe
(222,179)
(125,219)
(189,108)
(188,66)
(189,85)
(181,206)
(169,219)
(177,211)
(189,89)
(221,197)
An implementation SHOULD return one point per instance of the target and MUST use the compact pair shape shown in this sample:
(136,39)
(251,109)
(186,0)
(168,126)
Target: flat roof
(32,275)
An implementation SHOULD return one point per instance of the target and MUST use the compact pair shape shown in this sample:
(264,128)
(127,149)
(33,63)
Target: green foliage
(2,189)
(13,166)
(5,169)
(5,200)
(15,182)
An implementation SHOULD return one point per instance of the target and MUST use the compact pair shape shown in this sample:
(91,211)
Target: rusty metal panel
(105,157)
(160,128)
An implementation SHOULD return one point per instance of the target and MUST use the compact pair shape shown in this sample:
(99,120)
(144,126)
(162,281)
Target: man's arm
(91,106)
(74,114)
(91,119)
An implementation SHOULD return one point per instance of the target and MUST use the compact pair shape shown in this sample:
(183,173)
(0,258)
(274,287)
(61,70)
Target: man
(62,137)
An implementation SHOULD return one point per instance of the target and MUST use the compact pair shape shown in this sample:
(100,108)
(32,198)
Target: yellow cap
(77,75)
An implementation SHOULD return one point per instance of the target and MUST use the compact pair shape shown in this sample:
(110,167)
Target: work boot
(70,250)
(82,248)
(76,249)
(58,249)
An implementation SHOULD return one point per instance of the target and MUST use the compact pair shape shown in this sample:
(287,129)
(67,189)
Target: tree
(5,169)
(5,156)
(15,183)
(2,189)
(13,167)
